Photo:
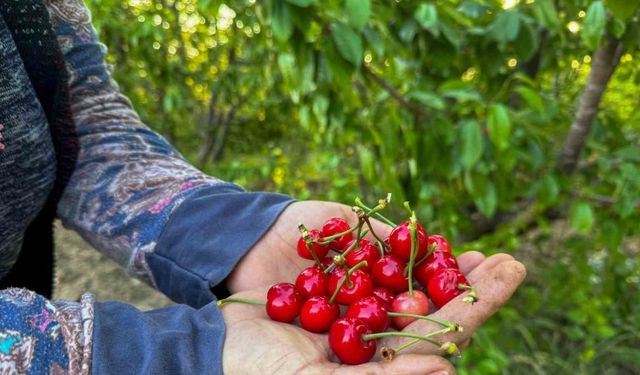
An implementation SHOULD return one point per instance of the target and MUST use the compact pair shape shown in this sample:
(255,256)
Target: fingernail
(440,373)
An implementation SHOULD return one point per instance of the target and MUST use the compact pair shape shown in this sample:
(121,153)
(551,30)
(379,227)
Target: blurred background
(510,125)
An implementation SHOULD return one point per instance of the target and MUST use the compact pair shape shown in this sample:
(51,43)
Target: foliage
(459,106)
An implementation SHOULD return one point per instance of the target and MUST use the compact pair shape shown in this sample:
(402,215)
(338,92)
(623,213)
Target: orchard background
(511,126)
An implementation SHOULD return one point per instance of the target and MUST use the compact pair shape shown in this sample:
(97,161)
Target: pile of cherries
(381,283)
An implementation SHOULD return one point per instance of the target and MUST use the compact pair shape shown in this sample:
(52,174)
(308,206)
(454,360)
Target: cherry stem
(380,245)
(355,244)
(426,337)
(423,338)
(366,220)
(241,300)
(432,248)
(308,241)
(472,297)
(327,240)
(412,254)
(345,278)
(454,327)
(374,212)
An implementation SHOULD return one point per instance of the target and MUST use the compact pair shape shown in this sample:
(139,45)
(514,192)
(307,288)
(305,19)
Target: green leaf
(281,23)
(505,27)
(427,98)
(488,202)
(527,43)
(427,17)
(581,216)
(367,163)
(348,42)
(622,9)
(499,126)
(545,12)
(531,97)
(593,26)
(319,108)
(302,3)
(358,13)
(472,145)
(549,190)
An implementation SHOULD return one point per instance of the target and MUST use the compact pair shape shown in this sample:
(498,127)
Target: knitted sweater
(133,197)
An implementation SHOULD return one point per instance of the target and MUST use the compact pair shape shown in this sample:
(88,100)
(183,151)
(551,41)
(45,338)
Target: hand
(286,348)
(254,344)
(274,257)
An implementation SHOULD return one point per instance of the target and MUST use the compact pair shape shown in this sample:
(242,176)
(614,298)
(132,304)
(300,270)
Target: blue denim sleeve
(173,340)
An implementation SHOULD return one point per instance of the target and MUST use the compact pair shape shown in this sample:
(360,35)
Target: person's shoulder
(69,11)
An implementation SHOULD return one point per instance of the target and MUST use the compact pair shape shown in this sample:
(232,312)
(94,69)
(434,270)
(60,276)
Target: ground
(79,268)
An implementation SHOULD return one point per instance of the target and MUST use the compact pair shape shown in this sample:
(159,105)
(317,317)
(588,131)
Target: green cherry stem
(345,278)
(432,248)
(453,327)
(339,259)
(327,240)
(412,254)
(241,300)
(308,242)
(371,211)
(366,220)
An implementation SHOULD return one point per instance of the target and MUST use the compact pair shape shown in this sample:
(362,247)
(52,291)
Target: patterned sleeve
(38,336)
(130,188)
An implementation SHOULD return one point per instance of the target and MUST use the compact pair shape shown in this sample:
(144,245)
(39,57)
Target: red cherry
(400,241)
(384,295)
(320,250)
(435,261)
(441,243)
(443,286)
(367,251)
(345,339)
(312,281)
(317,314)
(388,272)
(361,286)
(283,302)
(371,311)
(334,226)
(404,303)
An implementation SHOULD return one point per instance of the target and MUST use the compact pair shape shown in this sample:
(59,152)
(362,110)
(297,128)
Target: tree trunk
(605,60)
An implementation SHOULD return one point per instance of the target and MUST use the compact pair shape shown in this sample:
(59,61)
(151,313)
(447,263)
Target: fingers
(468,261)
(494,286)
(410,364)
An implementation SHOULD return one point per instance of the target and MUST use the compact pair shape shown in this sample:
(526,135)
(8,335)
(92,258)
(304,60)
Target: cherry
(440,242)
(406,304)
(334,226)
(317,314)
(312,281)
(370,310)
(367,251)
(320,250)
(358,285)
(437,260)
(444,286)
(384,295)
(388,272)
(400,241)
(283,302)
(345,339)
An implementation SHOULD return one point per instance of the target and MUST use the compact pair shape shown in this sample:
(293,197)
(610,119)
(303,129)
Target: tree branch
(605,60)
(388,87)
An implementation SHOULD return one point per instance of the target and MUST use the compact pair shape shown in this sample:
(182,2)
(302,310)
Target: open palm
(256,344)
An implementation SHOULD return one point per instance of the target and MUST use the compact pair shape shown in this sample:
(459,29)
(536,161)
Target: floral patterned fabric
(127,179)
(42,337)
